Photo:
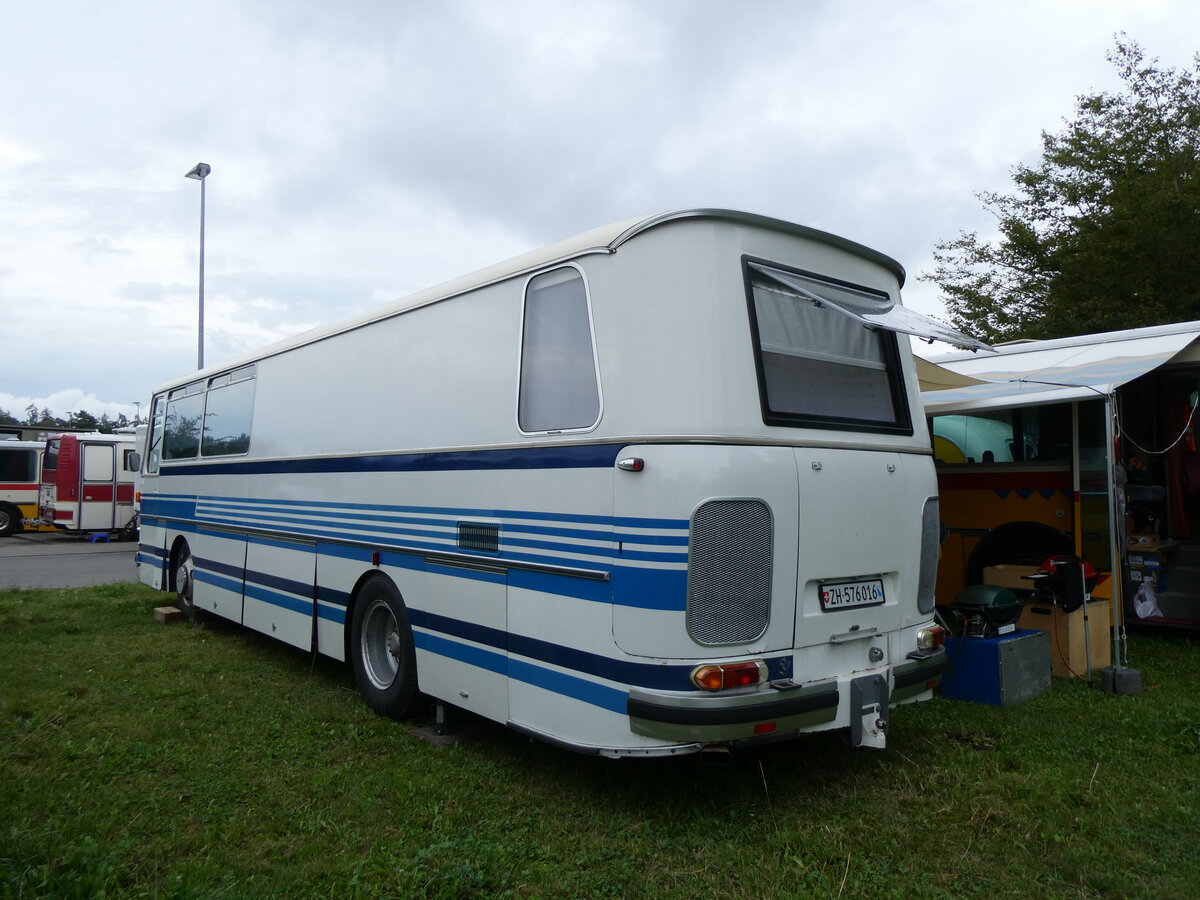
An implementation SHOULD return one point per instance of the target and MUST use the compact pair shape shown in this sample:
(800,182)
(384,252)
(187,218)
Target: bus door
(98,488)
(858,544)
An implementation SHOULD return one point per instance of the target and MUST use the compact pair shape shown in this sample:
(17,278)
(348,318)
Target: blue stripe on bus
(639,674)
(442,527)
(590,456)
(576,518)
(577,688)
(558,682)
(291,595)
(475,656)
(332,614)
(226,584)
(441,541)
(447,539)
(280,585)
(285,601)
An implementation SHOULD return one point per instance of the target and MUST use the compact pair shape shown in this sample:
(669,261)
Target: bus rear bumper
(860,703)
(709,718)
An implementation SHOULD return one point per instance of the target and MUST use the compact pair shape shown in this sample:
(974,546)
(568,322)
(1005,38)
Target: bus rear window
(819,367)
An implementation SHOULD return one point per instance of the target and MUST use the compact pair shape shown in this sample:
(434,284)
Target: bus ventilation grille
(479,536)
(729,572)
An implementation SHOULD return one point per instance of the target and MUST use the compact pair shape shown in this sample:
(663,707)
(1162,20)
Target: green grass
(145,761)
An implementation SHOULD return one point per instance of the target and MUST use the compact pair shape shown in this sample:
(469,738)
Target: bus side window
(154,443)
(185,409)
(559,388)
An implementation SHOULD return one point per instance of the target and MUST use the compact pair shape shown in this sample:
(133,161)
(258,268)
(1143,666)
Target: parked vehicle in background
(663,487)
(87,482)
(20,480)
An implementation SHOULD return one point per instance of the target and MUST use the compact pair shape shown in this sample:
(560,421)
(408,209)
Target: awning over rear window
(873,311)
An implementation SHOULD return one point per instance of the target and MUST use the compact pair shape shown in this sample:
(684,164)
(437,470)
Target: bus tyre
(184,579)
(10,520)
(382,652)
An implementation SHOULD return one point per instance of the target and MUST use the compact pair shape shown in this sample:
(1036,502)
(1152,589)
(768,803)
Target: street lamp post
(200,172)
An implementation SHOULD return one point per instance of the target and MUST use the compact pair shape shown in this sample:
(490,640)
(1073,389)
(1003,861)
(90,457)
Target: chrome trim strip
(848,636)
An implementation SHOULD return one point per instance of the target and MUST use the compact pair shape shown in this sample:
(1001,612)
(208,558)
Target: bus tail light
(720,677)
(930,637)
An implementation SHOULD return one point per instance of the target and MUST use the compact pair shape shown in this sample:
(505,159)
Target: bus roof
(603,240)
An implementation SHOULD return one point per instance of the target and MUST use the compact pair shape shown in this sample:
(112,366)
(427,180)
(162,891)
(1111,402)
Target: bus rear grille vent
(479,536)
(729,572)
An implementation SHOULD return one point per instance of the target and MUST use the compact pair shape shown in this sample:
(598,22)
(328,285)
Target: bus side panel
(654,508)
(458,617)
(280,579)
(564,677)
(339,569)
(220,561)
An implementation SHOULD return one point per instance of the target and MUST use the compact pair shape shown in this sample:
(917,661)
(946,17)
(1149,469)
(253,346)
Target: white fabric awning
(1039,372)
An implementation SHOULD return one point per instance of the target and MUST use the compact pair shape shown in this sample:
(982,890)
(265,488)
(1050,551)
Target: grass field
(138,760)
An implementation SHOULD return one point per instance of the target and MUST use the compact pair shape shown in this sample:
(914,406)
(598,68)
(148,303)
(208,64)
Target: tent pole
(1116,532)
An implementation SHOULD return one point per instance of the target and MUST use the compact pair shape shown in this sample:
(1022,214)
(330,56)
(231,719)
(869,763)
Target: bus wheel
(382,651)
(185,580)
(10,520)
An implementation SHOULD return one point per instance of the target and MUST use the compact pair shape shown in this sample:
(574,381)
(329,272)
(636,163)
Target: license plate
(847,594)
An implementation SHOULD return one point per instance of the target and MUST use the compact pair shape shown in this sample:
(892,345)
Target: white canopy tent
(1038,372)
(1060,371)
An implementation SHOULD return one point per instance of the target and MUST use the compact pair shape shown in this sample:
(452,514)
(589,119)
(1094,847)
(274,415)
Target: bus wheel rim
(381,646)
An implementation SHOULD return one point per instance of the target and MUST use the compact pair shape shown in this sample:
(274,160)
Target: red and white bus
(87,482)
(20,479)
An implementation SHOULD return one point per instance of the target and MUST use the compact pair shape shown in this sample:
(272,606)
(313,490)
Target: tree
(1103,233)
(82,420)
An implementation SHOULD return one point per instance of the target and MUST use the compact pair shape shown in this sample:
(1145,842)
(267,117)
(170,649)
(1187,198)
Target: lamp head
(199,171)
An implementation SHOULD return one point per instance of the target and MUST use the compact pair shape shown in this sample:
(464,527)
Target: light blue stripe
(516,514)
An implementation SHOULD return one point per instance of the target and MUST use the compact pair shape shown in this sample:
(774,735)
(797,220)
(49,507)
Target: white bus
(663,487)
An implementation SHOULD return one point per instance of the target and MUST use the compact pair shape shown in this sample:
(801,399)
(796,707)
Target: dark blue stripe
(225,584)
(254,592)
(484,659)
(588,691)
(204,564)
(280,584)
(590,456)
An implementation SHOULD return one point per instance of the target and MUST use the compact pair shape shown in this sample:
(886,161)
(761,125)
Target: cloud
(62,403)
(362,153)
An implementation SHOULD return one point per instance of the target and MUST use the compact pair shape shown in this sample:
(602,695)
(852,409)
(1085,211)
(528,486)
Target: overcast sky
(361,151)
